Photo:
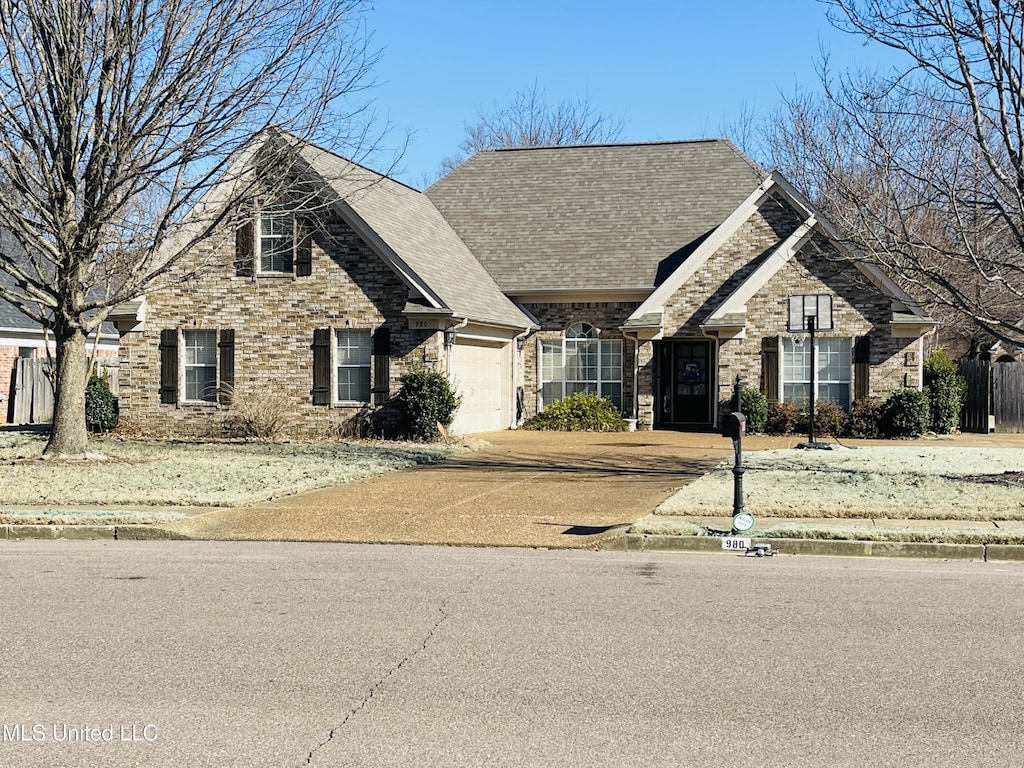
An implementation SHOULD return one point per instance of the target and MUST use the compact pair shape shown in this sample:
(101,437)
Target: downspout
(518,348)
(453,330)
(636,376)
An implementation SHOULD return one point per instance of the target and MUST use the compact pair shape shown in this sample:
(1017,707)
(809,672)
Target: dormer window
(274,244)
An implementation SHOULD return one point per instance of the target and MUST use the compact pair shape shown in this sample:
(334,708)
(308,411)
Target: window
(205,360)
(275,243)
(581,362)
(200,358)
(353,363)
(831,358)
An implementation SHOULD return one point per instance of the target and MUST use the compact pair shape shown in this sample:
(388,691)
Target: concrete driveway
(532,489)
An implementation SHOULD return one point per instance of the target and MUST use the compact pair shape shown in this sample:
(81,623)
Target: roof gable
(729,315)
(595,217)
(405,229)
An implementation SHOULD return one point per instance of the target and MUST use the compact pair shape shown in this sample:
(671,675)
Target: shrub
(754,406)
(579,413)
(946,390)
(829,418)
(784,419)
(100,405)
(906,414)
(264,414)
(865,418)
(425,400)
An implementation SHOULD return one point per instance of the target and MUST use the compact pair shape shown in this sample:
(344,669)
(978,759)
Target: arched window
(581,362)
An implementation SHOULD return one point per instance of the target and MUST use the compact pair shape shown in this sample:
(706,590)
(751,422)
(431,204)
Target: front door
(684,383)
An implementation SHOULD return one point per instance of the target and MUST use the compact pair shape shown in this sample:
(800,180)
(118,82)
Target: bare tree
(529,120)
(116,117)
(923,166)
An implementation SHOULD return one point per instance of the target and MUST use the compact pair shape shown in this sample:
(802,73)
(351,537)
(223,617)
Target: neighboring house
(653,274)
(21,338)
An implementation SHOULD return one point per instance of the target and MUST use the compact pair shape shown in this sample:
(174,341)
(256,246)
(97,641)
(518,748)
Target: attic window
(277,233)
(274,243)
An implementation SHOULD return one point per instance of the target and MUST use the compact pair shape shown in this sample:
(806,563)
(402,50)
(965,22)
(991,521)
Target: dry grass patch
(941,483)
(177,473)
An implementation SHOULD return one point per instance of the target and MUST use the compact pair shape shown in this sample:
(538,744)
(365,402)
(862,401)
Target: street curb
(643,542)
(13,532)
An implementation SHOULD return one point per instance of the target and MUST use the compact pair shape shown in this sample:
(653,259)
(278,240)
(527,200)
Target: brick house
(653,274)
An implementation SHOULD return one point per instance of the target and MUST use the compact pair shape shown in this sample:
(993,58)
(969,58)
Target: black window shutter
(245,250)
(226,345)
(770,368)
(862,368)
(303,248)
(169,366)
(381,366)
(322,366)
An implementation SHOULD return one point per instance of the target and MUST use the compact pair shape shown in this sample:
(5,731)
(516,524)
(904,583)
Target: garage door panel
(480,374)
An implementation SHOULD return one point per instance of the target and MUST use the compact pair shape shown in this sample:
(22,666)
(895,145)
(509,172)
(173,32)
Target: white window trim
(258,244)
(183,368)
(335,365)
(814,362)
(563,381)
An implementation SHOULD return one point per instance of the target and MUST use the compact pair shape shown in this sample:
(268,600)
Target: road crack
(444,611)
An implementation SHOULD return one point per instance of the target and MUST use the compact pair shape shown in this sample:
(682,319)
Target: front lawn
(180,473)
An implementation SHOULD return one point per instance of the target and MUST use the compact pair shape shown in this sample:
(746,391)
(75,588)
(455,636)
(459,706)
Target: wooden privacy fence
(995,396)
(33,390)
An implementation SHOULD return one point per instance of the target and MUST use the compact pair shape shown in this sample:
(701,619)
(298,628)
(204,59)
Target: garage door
(481,376)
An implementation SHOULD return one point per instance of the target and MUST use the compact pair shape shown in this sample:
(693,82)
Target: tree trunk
(68,437)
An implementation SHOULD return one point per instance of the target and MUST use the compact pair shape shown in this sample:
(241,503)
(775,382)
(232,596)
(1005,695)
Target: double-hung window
(274,243)
(353,354)
(197,366)
(581,362)
(200,359)
(277,236)
(831,359)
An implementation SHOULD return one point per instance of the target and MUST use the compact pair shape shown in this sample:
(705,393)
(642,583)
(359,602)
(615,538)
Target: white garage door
(481,376)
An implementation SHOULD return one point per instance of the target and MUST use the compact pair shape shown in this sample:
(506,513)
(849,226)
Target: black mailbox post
(734,425)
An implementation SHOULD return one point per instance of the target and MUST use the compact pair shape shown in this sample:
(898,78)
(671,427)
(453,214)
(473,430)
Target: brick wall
(859,308)
(273,318)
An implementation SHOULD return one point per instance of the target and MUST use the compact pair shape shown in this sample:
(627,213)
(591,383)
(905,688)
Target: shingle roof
(592,217)
(412,227)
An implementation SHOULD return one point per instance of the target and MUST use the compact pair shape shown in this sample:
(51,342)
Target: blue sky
(670,70)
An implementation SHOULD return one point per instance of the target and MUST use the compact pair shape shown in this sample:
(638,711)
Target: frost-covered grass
(939,534)
(917,482)
(176,473)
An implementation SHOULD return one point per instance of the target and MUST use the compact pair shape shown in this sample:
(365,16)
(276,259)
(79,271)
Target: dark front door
(684,383)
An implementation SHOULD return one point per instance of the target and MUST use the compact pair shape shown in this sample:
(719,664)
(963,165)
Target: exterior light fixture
(450,335)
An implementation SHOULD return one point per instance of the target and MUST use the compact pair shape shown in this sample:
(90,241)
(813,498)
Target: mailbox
(734,425)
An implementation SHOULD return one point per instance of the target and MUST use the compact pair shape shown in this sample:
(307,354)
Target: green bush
(784,419)
(865,419)
(754,406)
(906,413)
(425,400)
(579,413)
(829,419)
(100,405)
(946,390)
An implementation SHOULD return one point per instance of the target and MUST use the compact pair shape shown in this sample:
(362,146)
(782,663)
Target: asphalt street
(286,654)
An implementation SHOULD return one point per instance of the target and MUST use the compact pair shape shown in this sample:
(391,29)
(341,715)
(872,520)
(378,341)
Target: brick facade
(859,308)
(273,318)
